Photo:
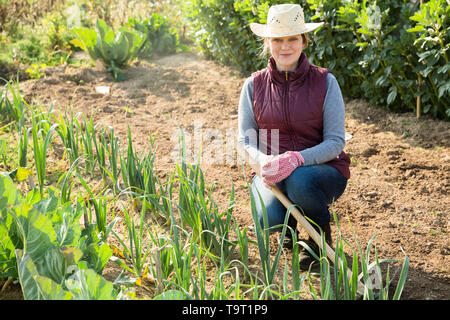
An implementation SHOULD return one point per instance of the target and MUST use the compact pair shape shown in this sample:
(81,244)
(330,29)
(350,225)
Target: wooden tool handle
(287,203)
(296,213)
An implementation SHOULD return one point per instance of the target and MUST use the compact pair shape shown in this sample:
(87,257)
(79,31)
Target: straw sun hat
(284,20)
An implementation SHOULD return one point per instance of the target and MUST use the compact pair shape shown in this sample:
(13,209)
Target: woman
(292,121)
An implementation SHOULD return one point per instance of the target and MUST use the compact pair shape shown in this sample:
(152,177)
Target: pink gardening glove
(277,168)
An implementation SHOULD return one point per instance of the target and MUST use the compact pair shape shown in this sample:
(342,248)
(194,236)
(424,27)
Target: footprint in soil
(367,153)
(108,109)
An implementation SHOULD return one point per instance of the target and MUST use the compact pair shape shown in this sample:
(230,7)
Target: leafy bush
(221,28)
(43,244)
(47,44)
(160,33)
(14,12)
(388,51)
(432,29)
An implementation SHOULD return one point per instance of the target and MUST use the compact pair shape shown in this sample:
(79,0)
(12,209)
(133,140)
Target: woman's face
(286,51)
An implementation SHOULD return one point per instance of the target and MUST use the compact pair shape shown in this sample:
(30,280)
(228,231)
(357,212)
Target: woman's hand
(277,168)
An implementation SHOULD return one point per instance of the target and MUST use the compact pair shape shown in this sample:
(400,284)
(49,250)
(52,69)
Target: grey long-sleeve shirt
(333,125)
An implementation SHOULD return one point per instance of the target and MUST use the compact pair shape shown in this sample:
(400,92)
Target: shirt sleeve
(248,128)
(333,127)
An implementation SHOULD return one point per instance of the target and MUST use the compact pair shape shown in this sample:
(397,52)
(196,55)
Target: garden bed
(400,164)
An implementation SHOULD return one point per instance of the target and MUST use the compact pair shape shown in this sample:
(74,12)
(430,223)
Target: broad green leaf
(98,256)
(121,48)
(94,52)
(35,230)
(27,270)
(66,225)
(8,266)
(444,89)
(85,38)
(78,43)
(48,204)
(72,255)
(392,95)
(445,68)
(50,290)
(33,196)
(104,32)
(8,192)
(86,284)
(53,265)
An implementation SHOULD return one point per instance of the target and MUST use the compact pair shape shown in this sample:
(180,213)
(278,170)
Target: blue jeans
(312,188)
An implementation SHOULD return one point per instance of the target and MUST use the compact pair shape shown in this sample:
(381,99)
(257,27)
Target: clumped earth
(400,164)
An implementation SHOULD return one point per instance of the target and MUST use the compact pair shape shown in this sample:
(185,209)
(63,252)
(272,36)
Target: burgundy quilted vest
(292,102)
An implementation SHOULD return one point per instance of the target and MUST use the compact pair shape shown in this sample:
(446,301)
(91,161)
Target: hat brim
(262,31)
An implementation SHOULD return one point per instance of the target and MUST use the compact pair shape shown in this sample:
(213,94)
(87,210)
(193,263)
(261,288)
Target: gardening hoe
(297,214)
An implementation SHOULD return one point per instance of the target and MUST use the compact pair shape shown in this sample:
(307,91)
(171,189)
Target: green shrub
(432,29)
(388,51)
(161,34)
(14,13)
(221,29)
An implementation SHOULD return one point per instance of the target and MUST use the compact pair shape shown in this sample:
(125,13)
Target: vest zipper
(286,115)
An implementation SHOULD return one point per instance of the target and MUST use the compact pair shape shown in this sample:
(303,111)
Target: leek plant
(68,132)
(22,152)
(335,283)
(151,180)
(188,204)
(87,132)
(166,196)
(107,151)
(113,156)
(66,187)
(15,110)
(181,257)
(3,155)
(199,211)
(42,118)
(262,235)
(40,146)
(134,252)
(23,147)
(199,291)
(131,168)
(297,279)
(242,240)
(101,151)
(161,265)
(101,209)
(138,175)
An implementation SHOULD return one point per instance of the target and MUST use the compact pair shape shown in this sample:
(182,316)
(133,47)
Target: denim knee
(313,188)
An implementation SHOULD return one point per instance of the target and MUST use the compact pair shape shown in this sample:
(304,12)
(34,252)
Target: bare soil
(400,164)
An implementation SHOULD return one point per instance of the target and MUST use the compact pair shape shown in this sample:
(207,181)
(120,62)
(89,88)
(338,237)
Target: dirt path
(400,165)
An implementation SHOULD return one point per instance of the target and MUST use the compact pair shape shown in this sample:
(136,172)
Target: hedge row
(388,51)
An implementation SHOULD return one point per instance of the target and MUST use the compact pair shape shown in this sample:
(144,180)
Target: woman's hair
(265,47)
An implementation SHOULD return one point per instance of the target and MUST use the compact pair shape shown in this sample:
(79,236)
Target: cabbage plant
(115,50)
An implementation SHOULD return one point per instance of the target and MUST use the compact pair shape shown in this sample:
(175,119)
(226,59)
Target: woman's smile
(286,51)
